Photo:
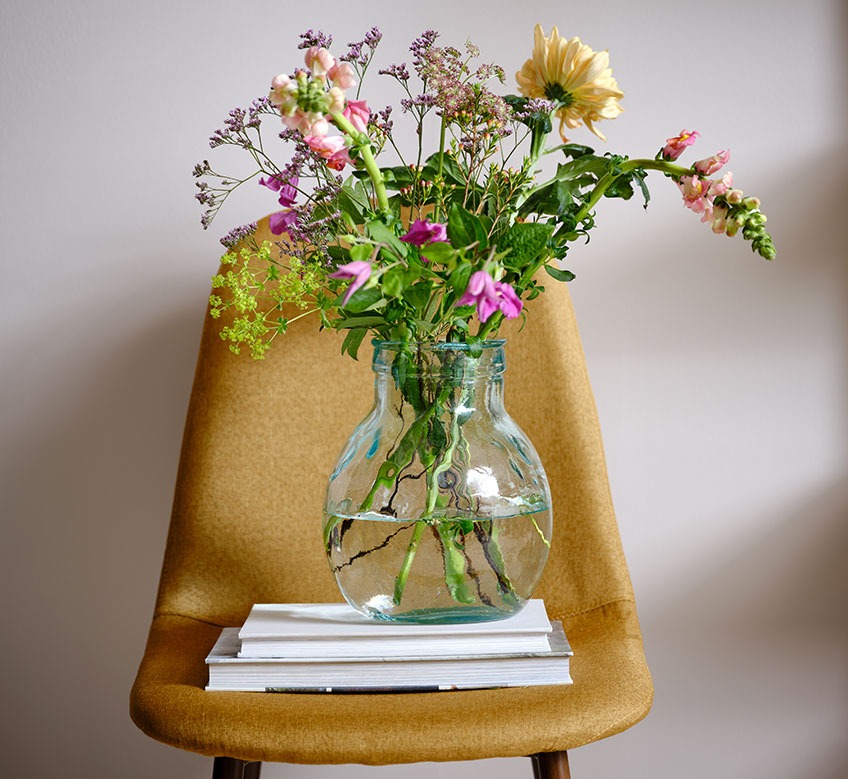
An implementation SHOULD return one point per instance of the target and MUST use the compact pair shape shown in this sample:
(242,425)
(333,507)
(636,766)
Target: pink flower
(358,271)
(357,113)
(336,100)
(306,122)
(490,296)
(712,164)
(696,195)
(674,146)
(510,304)
(424,231)
(722,186)
(332,148)
(280,222)
(342,75)
(319,61)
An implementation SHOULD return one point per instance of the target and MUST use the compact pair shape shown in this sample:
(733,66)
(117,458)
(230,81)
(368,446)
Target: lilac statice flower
(238,234)
(490,296)
(423,231)
(317,38)
(357,271)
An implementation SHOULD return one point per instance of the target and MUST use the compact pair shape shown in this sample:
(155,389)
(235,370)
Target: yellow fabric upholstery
(260,441)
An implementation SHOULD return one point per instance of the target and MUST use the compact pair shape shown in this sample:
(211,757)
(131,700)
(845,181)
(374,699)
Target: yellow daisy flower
(573,75)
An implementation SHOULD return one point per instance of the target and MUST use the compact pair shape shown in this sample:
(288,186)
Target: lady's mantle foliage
(448,244)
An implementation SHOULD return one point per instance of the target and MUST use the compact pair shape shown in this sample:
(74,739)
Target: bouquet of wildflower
(442,246)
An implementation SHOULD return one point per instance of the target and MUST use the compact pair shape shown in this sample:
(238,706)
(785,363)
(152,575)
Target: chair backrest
(261,438)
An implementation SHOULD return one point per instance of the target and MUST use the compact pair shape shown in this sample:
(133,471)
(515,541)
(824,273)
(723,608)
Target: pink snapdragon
(696,196)
(283,94)
(342,75)
(332,148)
(358,114)
(359,271)
(710,165)
(674,147)
(490,296)
(319,61)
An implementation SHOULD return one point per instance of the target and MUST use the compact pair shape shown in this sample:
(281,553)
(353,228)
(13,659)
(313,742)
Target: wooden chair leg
(551,765)
(230,768)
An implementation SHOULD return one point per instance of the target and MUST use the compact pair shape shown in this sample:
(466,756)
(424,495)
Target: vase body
(438,509)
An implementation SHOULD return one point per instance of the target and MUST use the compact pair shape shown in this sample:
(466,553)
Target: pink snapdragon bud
(332,148)
(712,164)
(510,304)
(319,61)
(359,271)
(674,147)
(342,75)
(357,113)
(307,122)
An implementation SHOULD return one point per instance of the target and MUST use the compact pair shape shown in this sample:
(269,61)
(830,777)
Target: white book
(228,671)
(337,630)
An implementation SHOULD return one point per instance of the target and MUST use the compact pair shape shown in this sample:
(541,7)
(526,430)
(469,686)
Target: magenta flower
(510,304)
(423,232)
(674,146)
(280,222)
(490,296)
(712,164)
(358,271)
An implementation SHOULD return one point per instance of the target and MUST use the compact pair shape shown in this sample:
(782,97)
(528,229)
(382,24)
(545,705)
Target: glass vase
(438,509)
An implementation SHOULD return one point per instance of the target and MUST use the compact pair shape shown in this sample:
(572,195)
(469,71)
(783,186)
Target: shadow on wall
(89,492)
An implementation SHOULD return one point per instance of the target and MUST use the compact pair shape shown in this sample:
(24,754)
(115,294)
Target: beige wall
(720,378)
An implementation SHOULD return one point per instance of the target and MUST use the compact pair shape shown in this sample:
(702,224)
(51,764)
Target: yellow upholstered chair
(260,441)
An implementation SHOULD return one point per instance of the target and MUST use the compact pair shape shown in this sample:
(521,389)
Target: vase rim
(491,343)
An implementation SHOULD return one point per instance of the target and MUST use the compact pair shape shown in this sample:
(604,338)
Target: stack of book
(330,647)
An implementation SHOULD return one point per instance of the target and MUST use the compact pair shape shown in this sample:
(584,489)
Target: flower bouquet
(438,508)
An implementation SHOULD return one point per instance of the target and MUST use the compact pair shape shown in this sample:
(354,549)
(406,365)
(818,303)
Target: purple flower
(280,222)
(286,187)
(510,304)
(490,296)
(358,271)
(424,231)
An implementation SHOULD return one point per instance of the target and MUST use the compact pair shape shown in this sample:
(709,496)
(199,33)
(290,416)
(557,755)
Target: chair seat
(612,690)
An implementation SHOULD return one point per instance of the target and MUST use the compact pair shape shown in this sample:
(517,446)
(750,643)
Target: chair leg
(551,765)
(230,768)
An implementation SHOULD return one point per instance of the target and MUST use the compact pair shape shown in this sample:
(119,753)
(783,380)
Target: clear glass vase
(438,509)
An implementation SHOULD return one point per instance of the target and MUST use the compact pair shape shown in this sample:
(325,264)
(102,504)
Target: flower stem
(675,171)
(368,160)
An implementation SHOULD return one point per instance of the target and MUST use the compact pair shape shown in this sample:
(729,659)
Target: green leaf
(393,283)
(559,274)
(363,299)
(451,171)
(382,233)
(459,279)
(361,252)
(441,251)
(465,228)
(524,242)
(352,342)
